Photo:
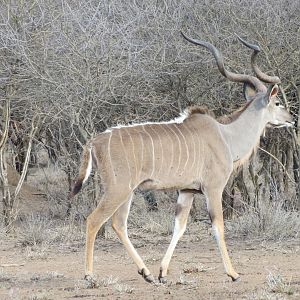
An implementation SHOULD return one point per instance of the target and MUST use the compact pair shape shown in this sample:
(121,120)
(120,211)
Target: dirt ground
(196,271)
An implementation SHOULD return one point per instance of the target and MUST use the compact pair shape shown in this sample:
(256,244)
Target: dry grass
(270,221)
(4,277)
(276,288)
(107,281)
(35,230)
(42,295)
(278,284)
(2,228)
(37,252)
(46,276)
(38,233)
(196,268)
(160,222)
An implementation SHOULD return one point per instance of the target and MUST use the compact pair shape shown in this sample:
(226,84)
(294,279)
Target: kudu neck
(242,135)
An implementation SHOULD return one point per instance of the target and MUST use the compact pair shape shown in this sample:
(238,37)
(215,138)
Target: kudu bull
(192,154)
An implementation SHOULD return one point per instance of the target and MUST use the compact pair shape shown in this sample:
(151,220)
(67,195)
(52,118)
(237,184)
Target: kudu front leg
(214,206)
(119,224)
(183,208)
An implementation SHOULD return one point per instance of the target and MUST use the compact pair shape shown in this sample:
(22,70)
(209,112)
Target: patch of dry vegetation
(276,288)
(278,284)
(107,281)
(270,221)
(159,222)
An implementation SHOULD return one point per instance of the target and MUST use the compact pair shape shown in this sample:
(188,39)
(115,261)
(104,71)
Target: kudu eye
(277,104)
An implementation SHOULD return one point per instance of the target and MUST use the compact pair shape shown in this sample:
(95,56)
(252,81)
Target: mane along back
(203,110)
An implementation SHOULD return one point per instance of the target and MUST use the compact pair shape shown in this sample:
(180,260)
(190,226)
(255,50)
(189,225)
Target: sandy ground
(196,271)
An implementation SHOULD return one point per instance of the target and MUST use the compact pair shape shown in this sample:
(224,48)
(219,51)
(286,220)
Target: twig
(11,265)
(34,128)
(284,168)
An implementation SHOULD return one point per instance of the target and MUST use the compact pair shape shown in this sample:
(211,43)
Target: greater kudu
(194,153)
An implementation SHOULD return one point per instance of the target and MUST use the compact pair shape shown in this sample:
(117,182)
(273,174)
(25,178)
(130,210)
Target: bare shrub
(53,182)
(89,65)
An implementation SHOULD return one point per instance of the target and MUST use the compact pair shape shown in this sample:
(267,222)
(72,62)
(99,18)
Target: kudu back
(194,153)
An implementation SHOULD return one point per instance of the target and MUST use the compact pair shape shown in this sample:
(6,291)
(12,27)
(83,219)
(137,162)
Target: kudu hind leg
(108,204)
(119,224)
(183,207)
(214,206)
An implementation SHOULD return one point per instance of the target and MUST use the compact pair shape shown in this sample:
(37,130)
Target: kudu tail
(84,170)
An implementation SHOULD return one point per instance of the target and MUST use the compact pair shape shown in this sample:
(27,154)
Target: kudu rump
(194,153)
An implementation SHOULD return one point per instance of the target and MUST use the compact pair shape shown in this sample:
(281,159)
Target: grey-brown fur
(195,154)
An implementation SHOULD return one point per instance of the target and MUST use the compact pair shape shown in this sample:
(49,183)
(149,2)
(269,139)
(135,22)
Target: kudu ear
(271,92)
(249,91)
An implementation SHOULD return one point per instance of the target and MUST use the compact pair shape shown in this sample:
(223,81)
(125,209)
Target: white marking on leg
(224,253)
(216,234)
(184,202)
(177,233)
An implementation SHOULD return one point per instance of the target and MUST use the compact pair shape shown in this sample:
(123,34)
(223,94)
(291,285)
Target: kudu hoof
(91,282)
(236,278)
(162,279)
(149,278)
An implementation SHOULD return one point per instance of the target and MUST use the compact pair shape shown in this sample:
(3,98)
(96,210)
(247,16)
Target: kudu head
(265,99)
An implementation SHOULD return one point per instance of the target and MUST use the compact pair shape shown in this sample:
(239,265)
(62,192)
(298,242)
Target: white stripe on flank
(172,148)
(153,154)
(125,154)
(201,160)
(179,157)
(109,156)
(199,168)
(134,157)
(187,148)
(89,167)
(142,158)
(194,148)
(161,147)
